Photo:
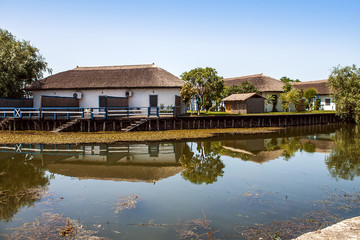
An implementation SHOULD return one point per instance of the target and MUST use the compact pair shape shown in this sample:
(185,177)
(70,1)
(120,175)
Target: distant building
(109,86)
(323,92)
(244,103)
(265,85)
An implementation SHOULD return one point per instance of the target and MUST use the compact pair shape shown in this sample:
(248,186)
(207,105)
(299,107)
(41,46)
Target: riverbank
(347,229)
(44,137)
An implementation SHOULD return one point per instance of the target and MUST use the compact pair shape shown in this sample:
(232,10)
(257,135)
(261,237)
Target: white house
(113,86)
(323,92)
(265,85)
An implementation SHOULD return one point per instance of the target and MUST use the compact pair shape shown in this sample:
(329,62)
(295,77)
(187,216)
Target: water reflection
(263,150)
(130,162)
(205,166)
(21,184)
(344,159)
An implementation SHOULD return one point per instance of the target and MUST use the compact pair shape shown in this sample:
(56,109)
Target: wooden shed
(244,103)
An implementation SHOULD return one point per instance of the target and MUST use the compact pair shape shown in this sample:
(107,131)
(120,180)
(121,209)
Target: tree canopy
(287,83)
(344,83)
(309,94)
(245,87)
(21,64)
(204,84)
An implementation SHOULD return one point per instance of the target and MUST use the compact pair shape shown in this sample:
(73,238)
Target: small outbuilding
(244,103)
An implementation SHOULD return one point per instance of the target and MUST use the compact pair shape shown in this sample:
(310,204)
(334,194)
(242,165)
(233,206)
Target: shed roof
(241,97)
(262,82)
(319,85)
(107,77)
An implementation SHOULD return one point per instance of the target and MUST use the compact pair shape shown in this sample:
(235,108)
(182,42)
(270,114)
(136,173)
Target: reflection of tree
(344,160)
(290,146)
(20,185)
(203,167)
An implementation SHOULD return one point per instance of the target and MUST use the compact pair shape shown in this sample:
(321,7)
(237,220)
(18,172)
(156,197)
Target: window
(327,102)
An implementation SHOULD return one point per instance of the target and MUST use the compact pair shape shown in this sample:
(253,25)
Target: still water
(228,187)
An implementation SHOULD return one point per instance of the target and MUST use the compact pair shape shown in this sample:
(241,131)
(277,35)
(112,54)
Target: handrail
(76,112)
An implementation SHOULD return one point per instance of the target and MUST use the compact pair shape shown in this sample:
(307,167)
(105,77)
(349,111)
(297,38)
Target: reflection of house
(250,150)
(132,162)
(264,150)
(113,86)
(323,92)
(264,84)
(244,103)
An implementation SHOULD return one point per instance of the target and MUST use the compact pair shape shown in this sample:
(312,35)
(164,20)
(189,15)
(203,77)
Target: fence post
(157,112)
(106,113)
(148,111)
(127,112)
(174,112)
(82,113)
(67,114)
(41,113)
(91,114)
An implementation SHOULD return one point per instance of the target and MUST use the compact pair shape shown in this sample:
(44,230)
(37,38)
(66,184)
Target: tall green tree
(245,87)
(309,94)
(207,86)
(344,83)
(21,64)
(293,96)
(287,83)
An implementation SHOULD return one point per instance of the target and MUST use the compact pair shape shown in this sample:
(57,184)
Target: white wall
(323,106)
(90,99)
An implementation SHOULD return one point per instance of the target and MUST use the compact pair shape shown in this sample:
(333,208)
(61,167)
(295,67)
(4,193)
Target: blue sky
(298,39)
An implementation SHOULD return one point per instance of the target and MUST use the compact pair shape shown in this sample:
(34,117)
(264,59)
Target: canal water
(228,187)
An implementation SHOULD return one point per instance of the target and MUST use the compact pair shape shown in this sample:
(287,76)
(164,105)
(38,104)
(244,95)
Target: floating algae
(327,213)
(52,226)
(126,202)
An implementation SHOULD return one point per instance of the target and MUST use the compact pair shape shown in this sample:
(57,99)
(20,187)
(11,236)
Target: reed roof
(241,97)
(320,86)
(262,82)
(110,77)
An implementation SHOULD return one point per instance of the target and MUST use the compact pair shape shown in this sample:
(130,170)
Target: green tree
(272,99)
(294,97)
(344,83)
(288,80)
(207,85)
(309,94)
(187,92)
(285,102)
(21,64)
(245,87)
(287,83)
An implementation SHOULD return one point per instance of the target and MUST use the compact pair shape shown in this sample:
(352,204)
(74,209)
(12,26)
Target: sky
(298,39)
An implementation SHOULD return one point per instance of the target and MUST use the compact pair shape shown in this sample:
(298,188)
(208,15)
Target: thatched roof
(115,173)
(319,85)
(262,82)
(113,77)
(241,97)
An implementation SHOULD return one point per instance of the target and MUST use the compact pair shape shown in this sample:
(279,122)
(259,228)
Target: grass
(211,113)
(43,137)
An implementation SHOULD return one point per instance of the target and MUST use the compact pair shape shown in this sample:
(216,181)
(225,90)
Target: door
(153,105)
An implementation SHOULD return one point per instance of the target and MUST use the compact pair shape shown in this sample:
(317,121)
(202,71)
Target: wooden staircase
(134,125)
(4,123)
(66,125)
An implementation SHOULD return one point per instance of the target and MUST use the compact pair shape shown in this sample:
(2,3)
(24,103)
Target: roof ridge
(246,76)
(313,81)
(116,67)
